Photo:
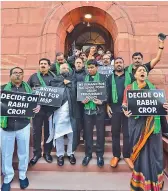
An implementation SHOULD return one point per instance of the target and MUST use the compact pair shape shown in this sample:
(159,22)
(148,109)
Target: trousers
(60,149)
(89,122)
(38,121)
(7,144)
(118,121)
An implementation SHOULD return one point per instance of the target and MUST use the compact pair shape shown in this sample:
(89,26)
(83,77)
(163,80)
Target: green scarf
(130,68)
(42,82)
(57,65)
(114,87)
(157,124)
(91,105)
(85,63)
(8,87)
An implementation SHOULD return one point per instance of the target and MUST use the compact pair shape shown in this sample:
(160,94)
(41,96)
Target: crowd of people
(142,148)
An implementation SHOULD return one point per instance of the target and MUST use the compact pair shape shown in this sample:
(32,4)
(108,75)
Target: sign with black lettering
(146,102)
(91,90)
(106,70)
(51,96)
(16,104)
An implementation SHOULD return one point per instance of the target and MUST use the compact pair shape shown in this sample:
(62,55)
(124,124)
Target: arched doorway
(64,17)
(84,36)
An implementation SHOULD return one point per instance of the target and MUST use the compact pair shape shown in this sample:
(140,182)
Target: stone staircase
(50,177)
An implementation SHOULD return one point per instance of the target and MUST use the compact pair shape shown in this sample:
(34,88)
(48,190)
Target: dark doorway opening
(84,36)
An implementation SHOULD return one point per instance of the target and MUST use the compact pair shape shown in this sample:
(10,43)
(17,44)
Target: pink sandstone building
(31,30)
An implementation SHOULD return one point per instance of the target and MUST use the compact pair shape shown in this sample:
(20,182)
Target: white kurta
(59,123)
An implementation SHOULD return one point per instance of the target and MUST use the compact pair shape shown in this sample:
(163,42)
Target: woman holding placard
(146,141)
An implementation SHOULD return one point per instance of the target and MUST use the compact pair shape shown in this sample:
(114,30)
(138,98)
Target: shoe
(129,162)
(60,160)
(24,183)
(48,158)
(114,162)
(6,186)
(100,161)
(86,160)
(72,159)
(34,160)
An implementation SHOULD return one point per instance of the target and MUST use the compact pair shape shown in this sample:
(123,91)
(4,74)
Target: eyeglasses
(16,73)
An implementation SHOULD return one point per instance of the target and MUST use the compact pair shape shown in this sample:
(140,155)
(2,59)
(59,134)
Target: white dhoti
(60,125)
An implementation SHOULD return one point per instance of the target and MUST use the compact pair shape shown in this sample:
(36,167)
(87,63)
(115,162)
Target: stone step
(42,165)
(73,181)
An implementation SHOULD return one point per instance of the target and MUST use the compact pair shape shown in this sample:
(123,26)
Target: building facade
(32,30)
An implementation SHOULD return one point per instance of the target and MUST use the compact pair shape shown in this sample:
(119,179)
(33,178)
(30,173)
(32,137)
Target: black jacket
(80,76)
(120,82)
(34,82)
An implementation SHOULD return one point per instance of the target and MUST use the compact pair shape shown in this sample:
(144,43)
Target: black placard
(146,102)
(91,90)
(16,104)
(106,70)
(51,96)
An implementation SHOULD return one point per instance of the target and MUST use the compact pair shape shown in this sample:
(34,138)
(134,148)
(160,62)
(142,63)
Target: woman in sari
(146,141)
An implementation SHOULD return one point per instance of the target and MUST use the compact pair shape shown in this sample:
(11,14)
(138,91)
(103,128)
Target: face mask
(100,52)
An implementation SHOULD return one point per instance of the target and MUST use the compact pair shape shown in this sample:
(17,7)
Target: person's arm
(71,61)
(30,82)
(125,103)
(159,54)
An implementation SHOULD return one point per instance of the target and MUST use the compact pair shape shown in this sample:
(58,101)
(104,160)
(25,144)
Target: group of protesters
(142,143)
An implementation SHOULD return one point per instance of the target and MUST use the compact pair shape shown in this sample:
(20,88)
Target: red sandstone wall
(31,30)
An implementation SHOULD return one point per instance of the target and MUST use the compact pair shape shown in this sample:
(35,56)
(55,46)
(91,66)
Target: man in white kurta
(61,122)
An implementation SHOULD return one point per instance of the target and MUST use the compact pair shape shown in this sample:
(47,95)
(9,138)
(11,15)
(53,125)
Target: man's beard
(106,63)
(119,69)
(79,69)
(65,74)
